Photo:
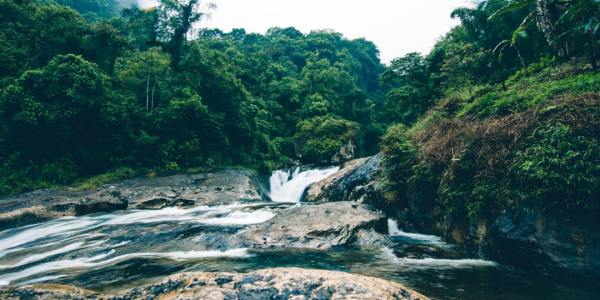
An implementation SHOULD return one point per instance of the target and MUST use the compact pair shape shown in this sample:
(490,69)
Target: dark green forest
(101,87)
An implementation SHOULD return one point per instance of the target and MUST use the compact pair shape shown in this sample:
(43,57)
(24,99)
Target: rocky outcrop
(345,153)
(532,240)
(320,226)
(353,182)
(528,239)
(283,283)
(542,242)
(218,188)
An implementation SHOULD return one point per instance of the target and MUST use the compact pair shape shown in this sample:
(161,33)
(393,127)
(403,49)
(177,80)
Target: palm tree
(541,11)
(518,34)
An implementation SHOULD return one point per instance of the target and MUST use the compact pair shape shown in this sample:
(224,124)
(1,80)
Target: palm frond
(513,6)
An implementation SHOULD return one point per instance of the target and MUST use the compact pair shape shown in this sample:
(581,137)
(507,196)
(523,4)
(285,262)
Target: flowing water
(116,251)
(289,186)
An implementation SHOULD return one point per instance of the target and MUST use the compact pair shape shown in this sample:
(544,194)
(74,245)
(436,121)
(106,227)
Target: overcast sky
(397,27)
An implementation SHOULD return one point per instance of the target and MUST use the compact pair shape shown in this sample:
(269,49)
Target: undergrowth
(531,145)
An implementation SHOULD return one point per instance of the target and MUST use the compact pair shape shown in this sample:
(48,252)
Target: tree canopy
(100,85)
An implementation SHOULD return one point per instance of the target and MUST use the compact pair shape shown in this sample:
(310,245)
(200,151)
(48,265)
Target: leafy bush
(527,92)
(318,139)
(400,157)
(559,169)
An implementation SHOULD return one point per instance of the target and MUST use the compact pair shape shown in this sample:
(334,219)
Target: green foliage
(560,169)
(102,179)
(400,157)
(100,85)
(94,10)
(523,93)
(411,89)
(322,137)
(542,155)
(57,108)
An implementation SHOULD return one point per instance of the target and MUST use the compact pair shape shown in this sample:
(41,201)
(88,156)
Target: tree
(581,18)
(104,44)
(411,91)
(177,18)
(141,27)
(318,139)
(144,73)
(93,9)
(540,11)
(58,108)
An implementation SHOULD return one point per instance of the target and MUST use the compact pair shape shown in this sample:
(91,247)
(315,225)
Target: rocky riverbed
(185,190)
(221,235)
(291,283)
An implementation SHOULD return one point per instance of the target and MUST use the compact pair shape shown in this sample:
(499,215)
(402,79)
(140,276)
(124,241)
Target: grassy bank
(531,143)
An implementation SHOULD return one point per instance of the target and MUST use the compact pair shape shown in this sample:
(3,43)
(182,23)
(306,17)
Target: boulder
(280,283)
(351,183)
(319,226)
(217,188)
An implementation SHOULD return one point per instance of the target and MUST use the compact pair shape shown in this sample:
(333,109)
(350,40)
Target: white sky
(397,27)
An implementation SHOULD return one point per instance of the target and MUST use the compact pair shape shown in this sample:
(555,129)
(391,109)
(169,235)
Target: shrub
(318,139)
(559,169)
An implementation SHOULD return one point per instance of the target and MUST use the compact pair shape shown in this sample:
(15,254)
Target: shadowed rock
(351,183)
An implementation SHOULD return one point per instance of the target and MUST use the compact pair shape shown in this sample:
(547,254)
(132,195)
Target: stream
(115,251)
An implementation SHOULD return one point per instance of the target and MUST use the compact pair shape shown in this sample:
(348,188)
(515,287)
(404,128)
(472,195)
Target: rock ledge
(279,283)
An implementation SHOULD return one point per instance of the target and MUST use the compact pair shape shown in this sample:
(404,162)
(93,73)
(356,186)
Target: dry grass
(491,143)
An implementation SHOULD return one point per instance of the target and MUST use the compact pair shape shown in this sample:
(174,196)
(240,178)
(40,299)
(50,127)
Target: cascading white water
(396,232)
(287,186)
(62,247)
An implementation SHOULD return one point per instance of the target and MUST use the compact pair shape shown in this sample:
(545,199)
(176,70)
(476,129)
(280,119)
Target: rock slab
(217,188)
(280,283)
(319,226)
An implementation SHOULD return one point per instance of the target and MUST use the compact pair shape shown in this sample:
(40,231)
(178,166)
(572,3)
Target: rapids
(113,251)
(289,186)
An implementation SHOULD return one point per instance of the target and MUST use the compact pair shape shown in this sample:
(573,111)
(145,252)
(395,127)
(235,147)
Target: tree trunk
(179,35)
(147,91)
(153,88)
(545,23)
(522,60)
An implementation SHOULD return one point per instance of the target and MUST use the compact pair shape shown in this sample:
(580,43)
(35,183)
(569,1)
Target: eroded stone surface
(217,188)
(280,283)
(351,183)
(319,226)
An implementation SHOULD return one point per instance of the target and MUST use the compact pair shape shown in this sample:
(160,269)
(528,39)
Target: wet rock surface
(351,183)
(216,188)
(280,283)
(319,226)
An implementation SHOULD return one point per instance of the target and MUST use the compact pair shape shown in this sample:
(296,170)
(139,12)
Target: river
(115,251)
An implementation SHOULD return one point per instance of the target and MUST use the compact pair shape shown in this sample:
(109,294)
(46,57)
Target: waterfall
(288,186)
